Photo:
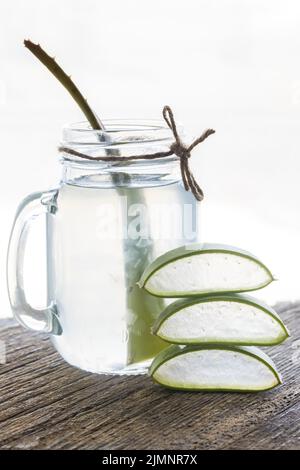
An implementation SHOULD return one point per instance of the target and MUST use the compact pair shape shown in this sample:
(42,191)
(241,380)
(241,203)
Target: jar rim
(123,137)
(116,124)
(125,131)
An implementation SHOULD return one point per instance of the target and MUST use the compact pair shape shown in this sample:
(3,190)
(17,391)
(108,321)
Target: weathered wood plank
(46,404)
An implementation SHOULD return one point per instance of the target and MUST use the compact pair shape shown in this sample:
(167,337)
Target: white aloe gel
(204,269)
(88,259)
(217,369)
(231,319)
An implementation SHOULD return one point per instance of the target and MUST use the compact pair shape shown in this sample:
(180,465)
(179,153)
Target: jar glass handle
(44,320)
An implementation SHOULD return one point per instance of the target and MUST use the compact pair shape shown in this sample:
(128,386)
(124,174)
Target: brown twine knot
(177,148)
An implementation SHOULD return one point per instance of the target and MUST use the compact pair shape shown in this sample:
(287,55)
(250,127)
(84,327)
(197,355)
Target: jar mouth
(122,137)
(125,124)
(118,131)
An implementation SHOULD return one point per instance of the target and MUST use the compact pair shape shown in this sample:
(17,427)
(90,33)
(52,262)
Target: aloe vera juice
(99,242)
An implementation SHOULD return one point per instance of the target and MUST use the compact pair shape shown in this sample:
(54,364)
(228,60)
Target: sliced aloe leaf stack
(215,328)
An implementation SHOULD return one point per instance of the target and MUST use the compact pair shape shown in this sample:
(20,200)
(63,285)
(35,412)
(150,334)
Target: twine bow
(183,153)
(177,148)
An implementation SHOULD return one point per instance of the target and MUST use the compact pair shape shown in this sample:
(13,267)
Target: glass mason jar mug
(105,222)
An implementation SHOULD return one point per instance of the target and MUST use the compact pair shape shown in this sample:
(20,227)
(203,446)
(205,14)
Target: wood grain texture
(46,404)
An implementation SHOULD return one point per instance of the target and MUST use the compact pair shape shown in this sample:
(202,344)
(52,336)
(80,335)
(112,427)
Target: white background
(233,65)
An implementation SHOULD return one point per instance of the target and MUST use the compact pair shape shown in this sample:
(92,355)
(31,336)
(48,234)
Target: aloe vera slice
(214,368)
(142,308)
(223,318)
(204,268)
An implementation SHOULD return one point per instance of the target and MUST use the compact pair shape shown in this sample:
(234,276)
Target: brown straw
(177,148)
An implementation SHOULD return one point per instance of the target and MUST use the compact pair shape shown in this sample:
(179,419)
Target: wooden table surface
(47,404)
